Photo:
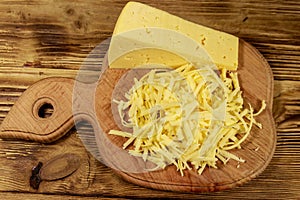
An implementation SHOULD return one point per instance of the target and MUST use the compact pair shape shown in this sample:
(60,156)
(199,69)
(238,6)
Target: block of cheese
(156,48)
(148,57)
(221,47)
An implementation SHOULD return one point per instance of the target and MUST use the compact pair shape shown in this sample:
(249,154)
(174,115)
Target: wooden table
(40,39)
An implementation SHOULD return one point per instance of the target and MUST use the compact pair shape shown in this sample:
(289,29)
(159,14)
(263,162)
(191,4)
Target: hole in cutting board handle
(46,110)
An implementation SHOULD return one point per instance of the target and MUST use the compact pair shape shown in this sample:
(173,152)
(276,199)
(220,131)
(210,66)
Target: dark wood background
(40,39)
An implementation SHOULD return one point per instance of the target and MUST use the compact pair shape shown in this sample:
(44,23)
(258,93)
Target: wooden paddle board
(256,80)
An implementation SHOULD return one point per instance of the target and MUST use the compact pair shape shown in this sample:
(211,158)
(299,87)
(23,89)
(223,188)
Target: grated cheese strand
(170,113)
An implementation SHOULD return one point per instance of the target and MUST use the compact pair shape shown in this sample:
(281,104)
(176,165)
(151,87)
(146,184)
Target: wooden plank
(39,34)
(17,158)
(28,196)
(44,38)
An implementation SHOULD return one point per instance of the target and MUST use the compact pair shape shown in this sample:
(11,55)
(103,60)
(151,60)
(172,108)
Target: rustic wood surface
(40,39)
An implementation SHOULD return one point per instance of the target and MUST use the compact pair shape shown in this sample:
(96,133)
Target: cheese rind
(222,47)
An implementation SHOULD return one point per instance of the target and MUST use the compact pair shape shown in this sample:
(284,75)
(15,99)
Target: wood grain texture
(40,39)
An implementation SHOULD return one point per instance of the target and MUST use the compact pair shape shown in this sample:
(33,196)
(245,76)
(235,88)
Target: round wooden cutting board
(256,82)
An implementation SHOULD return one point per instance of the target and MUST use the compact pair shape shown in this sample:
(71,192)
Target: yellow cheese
(221,47)
(156,48)
(143,57)
(170,126)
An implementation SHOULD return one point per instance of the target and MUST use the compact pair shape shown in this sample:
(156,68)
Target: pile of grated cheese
(170,114)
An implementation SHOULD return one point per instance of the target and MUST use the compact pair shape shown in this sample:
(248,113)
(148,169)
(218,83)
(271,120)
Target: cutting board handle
(25,121)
